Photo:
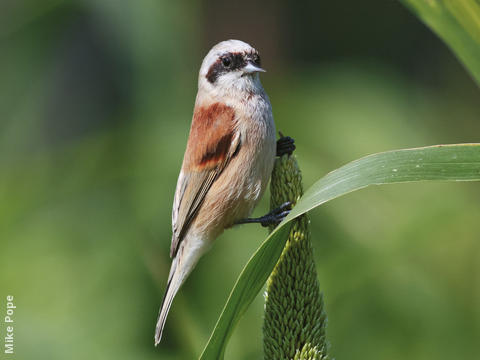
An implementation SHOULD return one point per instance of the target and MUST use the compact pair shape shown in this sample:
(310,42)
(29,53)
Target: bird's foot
(274,217)
(285,145)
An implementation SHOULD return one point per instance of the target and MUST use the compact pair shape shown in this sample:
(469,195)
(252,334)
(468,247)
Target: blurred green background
(96,100)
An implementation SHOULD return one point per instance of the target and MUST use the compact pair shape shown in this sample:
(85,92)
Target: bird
(227,163)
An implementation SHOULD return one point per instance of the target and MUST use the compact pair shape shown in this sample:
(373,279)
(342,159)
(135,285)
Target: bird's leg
(274,217)
(285,145)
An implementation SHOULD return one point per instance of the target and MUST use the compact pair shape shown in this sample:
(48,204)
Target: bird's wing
(213,141)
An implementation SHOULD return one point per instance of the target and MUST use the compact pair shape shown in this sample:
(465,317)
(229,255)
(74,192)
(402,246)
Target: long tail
(173,285)
(188,254)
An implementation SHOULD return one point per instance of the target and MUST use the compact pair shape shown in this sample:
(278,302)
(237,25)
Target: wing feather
(213,141)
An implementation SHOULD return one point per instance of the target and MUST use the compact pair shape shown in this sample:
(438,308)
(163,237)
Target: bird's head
(230,66)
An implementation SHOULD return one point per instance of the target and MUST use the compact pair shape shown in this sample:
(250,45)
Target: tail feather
(162,316)
(190,251)
(170,292)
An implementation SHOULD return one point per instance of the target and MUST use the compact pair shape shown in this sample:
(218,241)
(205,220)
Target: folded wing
(213,141)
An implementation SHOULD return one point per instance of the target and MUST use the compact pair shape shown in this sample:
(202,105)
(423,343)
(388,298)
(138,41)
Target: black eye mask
(226,63)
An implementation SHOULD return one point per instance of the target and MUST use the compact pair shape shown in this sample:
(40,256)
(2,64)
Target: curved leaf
(455,22)
(442,162)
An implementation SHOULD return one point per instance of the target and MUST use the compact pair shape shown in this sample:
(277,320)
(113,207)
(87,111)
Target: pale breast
(261,146)
(242,183)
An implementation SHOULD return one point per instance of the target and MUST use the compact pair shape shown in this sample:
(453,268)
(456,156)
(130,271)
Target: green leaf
(455,22)
(250,282)
(442,162)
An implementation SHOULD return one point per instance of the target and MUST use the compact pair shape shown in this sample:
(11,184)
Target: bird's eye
(256,59)
(226,61)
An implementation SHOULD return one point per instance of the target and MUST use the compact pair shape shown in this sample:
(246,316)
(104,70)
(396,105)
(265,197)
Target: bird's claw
(276,216)
(285,145)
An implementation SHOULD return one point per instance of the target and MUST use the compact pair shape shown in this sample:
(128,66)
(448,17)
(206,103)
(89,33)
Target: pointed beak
(252,68)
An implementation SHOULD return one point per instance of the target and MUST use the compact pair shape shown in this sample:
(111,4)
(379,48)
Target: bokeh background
(96,99)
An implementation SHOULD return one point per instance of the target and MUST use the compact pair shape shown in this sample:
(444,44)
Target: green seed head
(295,319)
